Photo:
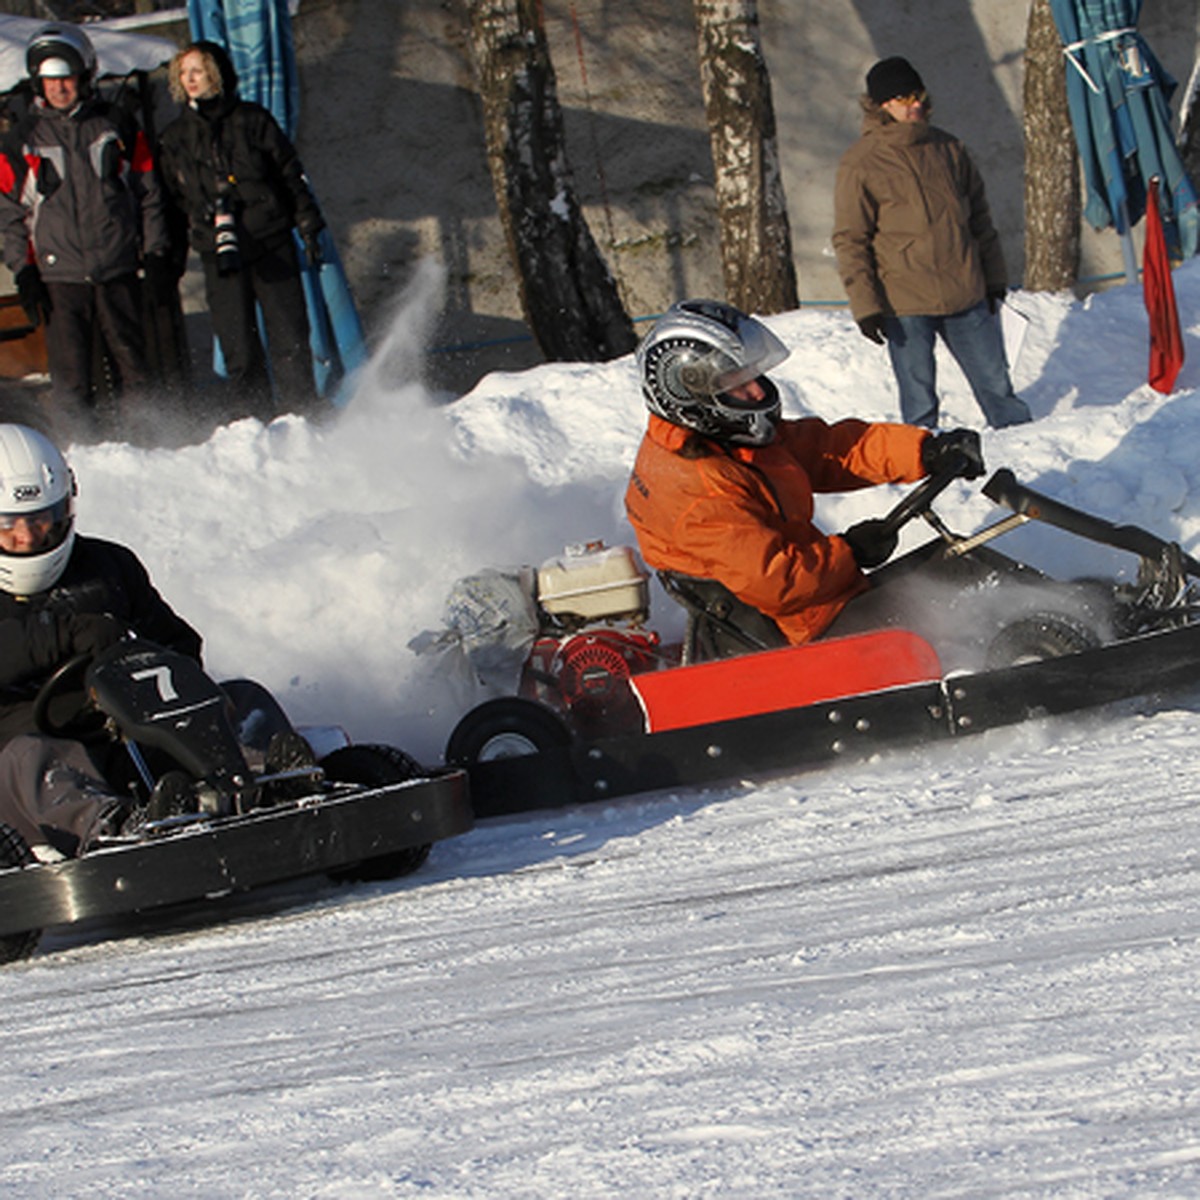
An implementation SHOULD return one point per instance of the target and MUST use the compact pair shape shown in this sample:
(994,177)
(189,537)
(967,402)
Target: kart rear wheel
(509,727)
(15,852)
(375,766)
(1038,637)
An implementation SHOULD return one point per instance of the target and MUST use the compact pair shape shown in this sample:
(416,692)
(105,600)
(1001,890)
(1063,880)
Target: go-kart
(208,811)
(604,708)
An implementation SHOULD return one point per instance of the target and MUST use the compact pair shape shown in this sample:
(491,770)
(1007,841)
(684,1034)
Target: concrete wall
(971,58)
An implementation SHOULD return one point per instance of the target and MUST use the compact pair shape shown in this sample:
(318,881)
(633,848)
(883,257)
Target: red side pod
(778,679)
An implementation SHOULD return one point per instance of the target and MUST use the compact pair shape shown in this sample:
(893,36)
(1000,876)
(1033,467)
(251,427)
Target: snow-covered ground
(966,970)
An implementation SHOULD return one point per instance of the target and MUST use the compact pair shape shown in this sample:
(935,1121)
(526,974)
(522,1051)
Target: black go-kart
(210,804)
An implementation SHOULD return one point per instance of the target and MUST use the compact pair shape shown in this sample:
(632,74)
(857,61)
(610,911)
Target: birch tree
(568,295)
(1053,206)
(1189,128)
(756,239)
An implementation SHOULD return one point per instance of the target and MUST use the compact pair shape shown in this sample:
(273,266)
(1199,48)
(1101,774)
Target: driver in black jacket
(60,595)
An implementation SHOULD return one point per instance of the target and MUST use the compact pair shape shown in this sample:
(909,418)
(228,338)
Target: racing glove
(957,448)
(871,542)
(871,327)
(34,294)
(90,633)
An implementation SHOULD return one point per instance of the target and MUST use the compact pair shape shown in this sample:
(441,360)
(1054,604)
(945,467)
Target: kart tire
(1038,637)
(375,766)
(15,852)
(505,728)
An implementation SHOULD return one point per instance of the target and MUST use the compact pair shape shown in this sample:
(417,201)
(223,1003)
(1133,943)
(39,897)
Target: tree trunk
(756,239)
(1052,197)
(568,295)
(1189,135)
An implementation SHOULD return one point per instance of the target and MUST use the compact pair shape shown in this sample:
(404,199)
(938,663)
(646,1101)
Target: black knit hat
(892,77)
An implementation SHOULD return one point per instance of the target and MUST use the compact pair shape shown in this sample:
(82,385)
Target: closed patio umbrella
(1118,94)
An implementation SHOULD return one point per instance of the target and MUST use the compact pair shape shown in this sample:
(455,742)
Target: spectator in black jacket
(60,595)
(231,169)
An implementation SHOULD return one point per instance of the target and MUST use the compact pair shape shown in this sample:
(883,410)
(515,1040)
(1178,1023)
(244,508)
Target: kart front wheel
(508,727)
(15,852)
(375,766)
(1038,637)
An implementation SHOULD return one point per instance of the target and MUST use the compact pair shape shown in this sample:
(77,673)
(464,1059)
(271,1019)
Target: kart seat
(719,625)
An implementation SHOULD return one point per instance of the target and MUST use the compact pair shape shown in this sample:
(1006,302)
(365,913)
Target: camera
(229,258)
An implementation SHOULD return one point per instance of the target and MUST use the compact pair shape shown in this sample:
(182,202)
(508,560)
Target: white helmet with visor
(697,353)
(37,511)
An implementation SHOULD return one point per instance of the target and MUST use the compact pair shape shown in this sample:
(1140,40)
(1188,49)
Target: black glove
(995,298)
(35,296)
(871,542)
(871,327)
(957,448)
(161,281)
(310,235)
(90,633)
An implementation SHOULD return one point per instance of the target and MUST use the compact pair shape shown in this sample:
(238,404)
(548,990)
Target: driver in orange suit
(722,488)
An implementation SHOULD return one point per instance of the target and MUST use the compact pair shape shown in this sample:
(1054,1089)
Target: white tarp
(117,52)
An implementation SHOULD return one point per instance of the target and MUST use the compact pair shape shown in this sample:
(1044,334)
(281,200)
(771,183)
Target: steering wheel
(62,709)
(922,497)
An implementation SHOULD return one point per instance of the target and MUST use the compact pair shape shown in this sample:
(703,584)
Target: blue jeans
(973,337)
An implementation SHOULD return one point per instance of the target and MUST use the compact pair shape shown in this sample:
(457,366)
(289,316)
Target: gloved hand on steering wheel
(871,542)
(957,448)
(90,633)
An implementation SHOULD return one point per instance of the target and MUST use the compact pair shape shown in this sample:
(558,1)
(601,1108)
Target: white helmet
(697,352)
(37,486)
(58,50)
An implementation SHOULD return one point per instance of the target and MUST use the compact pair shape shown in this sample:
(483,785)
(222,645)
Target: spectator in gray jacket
(81,211)
(917,251)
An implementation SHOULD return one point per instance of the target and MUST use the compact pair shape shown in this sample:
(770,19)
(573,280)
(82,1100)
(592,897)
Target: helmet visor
(761,350)
(37,531)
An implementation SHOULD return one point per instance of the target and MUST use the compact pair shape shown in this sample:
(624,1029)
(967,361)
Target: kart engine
(586,674)
(592,601)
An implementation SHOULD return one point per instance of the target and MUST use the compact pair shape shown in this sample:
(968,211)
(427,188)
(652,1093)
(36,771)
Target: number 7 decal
(162,677)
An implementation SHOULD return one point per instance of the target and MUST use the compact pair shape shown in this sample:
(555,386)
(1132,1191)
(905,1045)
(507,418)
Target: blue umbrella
(1118,93)
(257,34)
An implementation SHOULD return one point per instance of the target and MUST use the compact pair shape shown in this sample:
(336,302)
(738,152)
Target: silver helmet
(59,50)
(696,354)
(37,491)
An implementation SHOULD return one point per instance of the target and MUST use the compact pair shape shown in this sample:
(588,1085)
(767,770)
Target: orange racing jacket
(743,515)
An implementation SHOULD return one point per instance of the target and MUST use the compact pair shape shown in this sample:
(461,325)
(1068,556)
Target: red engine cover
(588,673)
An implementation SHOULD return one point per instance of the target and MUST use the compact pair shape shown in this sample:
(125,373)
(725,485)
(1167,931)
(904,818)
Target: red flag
(1166,340)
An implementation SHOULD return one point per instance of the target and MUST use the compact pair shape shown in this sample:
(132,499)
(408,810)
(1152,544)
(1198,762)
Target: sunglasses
(911,99)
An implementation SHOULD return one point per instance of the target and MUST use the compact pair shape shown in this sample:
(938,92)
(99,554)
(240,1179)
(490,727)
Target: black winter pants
(273,282)
(115,308)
